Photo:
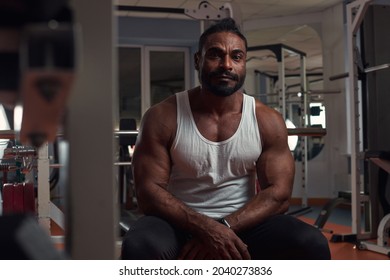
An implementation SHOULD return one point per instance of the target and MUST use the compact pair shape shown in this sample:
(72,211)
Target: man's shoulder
(264,111)
(165,107)
(161,118)
(269,119)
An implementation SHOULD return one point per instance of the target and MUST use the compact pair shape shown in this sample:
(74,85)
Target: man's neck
(205,101)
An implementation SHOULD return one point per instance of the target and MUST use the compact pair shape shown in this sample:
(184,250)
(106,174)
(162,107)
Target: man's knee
(150,238)
(320,246)
(295,239)
(137,247)
(312,242)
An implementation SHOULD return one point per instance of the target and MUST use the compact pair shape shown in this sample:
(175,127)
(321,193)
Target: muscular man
(196,162)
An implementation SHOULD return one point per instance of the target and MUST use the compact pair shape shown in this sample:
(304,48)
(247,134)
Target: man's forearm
(260,207)
(159,202)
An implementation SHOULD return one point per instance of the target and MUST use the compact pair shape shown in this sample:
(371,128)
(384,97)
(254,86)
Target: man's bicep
(151,162)
(275,169)
(276,165)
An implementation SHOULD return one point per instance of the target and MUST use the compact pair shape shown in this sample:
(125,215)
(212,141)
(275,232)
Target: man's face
(221,63)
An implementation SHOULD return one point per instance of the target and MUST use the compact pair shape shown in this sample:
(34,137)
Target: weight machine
(362,201)
(282,53)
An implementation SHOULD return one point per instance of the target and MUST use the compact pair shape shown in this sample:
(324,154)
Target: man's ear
(196,60)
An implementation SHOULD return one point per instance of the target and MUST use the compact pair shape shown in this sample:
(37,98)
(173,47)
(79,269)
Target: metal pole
(43,195)
(355,13)
(306,121)
(282,88)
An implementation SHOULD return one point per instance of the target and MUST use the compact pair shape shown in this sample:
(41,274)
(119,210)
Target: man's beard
(222,89)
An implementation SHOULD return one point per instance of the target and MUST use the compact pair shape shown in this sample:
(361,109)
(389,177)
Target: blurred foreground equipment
(37,63)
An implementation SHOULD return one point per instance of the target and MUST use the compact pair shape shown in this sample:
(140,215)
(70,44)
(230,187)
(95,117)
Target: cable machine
(304,130)
(364,196)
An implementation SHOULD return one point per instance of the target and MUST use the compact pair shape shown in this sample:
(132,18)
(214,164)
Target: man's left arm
(275,173)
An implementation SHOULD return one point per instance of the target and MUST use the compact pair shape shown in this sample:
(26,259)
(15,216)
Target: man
(196,162)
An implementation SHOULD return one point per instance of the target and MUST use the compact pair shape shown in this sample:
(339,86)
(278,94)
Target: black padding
(9,71)
(384,190)
(22,238)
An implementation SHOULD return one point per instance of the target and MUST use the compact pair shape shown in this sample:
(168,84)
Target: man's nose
(226,62)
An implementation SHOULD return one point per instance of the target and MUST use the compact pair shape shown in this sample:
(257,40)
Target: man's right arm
(152,164)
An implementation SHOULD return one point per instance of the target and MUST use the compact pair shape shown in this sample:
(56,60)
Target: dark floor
(340,216)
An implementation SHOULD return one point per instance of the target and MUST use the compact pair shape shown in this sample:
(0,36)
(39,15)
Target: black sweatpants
(281,237)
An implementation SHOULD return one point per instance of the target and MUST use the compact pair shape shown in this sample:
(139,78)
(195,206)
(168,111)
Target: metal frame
(279,51)
(43,195)
(355,14)
(381,245)
(205,11)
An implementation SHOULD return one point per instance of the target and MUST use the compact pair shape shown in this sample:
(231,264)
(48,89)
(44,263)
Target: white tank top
(214,178)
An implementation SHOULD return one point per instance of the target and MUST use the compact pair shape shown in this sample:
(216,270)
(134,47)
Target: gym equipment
(365,70)
(326,211)
(126,142)
(18,195)
(364,106)
(127,137)
(282,53)
(25,162)
(38,53)
(381,159)
(37,59)
(47,81)
(307,131)
(205,11)
(18,198)
(355,12)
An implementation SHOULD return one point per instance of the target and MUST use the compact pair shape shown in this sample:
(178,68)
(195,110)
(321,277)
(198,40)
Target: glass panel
(129,82)
(167,74)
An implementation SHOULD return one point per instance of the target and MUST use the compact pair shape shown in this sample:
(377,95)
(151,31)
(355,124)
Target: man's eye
(238,57)
(213,54)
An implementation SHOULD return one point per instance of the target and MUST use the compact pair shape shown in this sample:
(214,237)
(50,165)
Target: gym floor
(339,222)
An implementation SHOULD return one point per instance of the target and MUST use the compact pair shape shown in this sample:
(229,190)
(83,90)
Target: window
(166,72)
(148,75)
(130,82)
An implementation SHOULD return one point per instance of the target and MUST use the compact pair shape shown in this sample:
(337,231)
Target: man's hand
(218,243)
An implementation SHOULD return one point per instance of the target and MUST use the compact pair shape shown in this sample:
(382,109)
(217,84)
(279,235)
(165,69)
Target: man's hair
(225,25)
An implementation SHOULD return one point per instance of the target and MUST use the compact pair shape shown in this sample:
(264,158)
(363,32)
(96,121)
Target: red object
(18,198)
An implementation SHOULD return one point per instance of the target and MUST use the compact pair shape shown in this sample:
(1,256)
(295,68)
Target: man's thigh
(286,237)
(152,238)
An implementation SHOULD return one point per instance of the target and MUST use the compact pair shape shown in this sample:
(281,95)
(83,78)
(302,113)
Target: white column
(92,201)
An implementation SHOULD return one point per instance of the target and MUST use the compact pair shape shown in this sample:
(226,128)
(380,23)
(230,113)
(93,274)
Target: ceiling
(264,22)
